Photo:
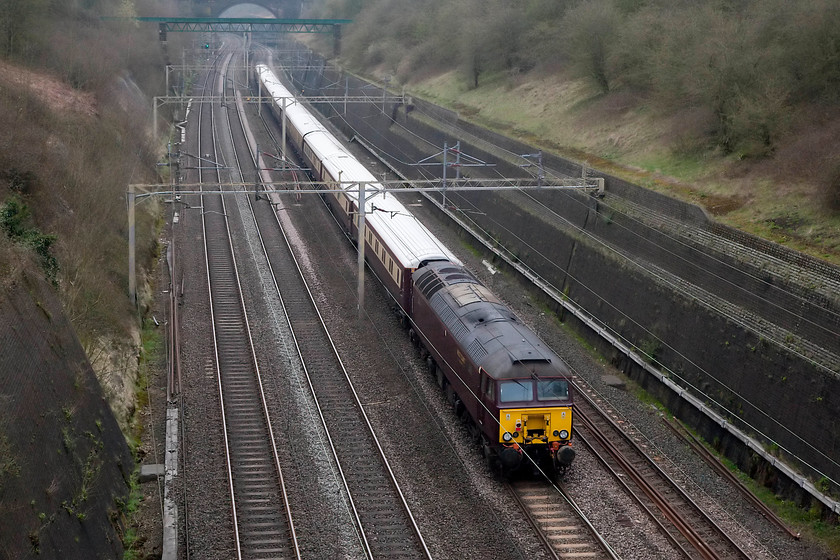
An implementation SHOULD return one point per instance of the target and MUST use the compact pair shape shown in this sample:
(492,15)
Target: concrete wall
(64,460)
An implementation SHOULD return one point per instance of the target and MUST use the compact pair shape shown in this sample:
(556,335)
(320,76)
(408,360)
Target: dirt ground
(53,92)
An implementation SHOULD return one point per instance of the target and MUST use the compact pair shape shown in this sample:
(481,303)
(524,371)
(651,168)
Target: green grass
(151,347)
(806,521)
(128,507)
(683,167)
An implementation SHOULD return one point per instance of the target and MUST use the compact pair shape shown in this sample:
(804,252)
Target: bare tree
(590,30)
(15,20)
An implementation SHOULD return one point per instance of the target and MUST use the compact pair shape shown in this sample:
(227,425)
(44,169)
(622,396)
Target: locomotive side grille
(476,350)
(423,277)
(429,284)
(452,322)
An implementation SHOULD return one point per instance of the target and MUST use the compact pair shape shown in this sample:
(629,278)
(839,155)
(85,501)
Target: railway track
(558,522)
(689,528)
(260,511)
(729,476)
(383,518)
(685,523)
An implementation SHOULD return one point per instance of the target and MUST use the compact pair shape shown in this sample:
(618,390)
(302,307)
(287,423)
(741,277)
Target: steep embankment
(64,463)
(71,139)
(730,105)
(66,157)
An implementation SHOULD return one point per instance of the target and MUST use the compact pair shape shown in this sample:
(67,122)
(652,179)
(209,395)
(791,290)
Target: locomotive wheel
(488,454)
(441,380)
(460,409)
(475,433)
(451,396)
(492,459)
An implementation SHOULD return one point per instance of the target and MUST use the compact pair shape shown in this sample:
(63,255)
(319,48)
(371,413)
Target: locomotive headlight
(556,433)
(564,434)
(507,436)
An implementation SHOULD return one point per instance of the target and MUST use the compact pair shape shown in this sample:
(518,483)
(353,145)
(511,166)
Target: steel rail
(356,399)
(351,502)
(251,503)
(216,352)
(561,549)
(719,468)
(279,470)
(650,509)
(666,505)
(182,427)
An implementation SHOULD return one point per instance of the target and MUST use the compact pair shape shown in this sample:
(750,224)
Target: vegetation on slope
(734,104)
(73,134)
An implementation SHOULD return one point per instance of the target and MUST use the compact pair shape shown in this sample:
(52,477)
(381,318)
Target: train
(513,391)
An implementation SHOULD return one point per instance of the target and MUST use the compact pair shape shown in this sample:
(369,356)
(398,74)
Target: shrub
(832,187)
(15,220)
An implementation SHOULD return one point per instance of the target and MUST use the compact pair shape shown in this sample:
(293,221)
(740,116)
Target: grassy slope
(778,198)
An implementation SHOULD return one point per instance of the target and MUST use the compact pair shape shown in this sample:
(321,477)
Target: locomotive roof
(409,241)
(487,329)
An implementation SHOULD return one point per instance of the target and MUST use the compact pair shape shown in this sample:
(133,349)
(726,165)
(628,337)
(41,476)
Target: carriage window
(553,390)
(516,390)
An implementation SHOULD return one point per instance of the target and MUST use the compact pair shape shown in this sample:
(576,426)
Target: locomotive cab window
(553,390)
(516,390)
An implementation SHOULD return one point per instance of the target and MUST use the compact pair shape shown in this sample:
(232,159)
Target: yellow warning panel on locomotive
(535,425)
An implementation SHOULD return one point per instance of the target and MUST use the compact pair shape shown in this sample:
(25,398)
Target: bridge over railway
(247,25)
(280,8)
